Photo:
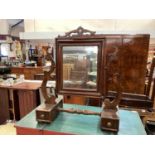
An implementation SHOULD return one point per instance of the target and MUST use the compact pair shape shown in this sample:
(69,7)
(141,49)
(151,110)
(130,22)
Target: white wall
(29,25)
(49,29)
(16,30)
(103,25)
(4,26)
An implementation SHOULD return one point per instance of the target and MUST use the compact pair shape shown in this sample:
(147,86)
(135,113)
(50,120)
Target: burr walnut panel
(133,64)
(127,55)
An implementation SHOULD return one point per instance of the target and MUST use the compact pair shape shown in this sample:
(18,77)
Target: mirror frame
(78,40)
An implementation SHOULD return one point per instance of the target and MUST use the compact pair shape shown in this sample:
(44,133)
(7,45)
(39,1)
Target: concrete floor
(7,129)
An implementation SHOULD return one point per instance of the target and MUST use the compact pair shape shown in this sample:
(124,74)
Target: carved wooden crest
(80,31)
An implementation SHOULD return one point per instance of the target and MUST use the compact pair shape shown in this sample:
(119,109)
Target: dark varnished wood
(133,63)
(28,100)
(25,97)
(131,52)
(47,112)
(132,55)
(47,76)
(4,105)
(113,105)
(77,111)
(109,115)
(80,40)
(27,86)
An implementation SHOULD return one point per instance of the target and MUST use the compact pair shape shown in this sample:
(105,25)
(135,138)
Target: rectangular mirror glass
(80,67)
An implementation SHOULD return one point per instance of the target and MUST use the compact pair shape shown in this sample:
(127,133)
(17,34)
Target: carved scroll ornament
(47,75)
(112,105)
(80,31)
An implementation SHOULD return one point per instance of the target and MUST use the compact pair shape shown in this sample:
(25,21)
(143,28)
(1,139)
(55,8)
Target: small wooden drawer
(43,116)
(44,113)
(48,112)
(109,121)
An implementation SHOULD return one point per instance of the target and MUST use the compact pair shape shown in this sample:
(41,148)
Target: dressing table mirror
(80,64)
(81,70)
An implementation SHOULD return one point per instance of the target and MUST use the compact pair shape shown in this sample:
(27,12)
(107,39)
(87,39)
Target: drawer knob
(109,124)
(42,115)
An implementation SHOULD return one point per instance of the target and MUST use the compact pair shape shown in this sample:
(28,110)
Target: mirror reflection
(80,67)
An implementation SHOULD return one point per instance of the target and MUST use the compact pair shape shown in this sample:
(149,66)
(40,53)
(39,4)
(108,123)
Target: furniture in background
(150,86)
(67,70)
(26,98)
(18,100)
(28,72)
(4,105)
(150,127)
(149,120)
(39,76)
(4,96)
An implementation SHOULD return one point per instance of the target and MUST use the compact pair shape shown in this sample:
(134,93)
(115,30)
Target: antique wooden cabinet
(18,100)
(84,70)
(26,98)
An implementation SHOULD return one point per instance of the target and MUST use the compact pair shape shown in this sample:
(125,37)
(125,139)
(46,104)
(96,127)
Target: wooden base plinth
(48,112)
(110,120)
